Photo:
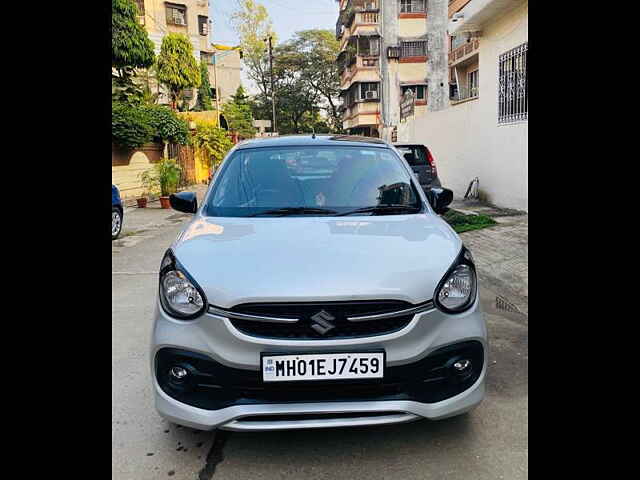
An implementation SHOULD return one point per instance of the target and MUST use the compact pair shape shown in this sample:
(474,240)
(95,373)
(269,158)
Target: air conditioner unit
(178,21)
(205,29)
(370,94)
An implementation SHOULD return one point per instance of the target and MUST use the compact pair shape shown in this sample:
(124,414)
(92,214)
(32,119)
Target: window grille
(513,104)
(414,49)
(411,6)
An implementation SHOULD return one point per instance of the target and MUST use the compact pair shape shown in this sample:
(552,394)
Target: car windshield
(317,180)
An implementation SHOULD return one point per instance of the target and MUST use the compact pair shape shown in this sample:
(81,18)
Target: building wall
(465,138)
(412,27)
(127,177)
(228,74)
(156,25)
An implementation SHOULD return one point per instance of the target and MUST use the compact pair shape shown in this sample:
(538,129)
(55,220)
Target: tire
(116,222)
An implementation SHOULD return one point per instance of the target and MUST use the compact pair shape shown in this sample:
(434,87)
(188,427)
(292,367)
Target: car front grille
(323,320)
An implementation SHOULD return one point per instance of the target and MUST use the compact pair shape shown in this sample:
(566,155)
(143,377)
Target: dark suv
(421,162)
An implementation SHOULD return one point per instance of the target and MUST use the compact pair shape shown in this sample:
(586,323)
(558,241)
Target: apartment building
(482,129)
(382,61)
(191,17)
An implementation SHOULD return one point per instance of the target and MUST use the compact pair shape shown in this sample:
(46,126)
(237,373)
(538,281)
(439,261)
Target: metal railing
(463,50)
(464,93)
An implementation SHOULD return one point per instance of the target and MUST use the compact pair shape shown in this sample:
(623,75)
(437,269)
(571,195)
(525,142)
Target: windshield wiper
(382,209)
(293,211)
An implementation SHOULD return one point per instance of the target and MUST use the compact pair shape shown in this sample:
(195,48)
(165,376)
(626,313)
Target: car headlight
(456,291)
(180,295)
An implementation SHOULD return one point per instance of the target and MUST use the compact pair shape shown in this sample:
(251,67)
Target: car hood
(277,259)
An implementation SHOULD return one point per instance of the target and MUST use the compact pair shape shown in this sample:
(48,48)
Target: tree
(204,92)
(130,44)
(252,24)
(238,114)
(177,67)
(317,51)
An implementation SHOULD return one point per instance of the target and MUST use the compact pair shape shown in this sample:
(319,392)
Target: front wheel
(116,223)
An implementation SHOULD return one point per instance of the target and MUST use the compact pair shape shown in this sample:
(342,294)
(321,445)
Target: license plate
(322,366)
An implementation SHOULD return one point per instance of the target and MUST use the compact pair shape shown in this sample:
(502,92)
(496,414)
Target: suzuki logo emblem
(322,322)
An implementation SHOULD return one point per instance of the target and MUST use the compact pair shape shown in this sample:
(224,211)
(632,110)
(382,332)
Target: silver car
(316,286)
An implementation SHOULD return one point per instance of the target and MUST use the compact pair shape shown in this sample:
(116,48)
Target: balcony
(463,52)
(363,69)
(464,94)
(357,12)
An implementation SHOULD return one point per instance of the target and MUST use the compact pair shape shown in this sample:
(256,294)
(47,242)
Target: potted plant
(149,180)
(142,201)
(168,172)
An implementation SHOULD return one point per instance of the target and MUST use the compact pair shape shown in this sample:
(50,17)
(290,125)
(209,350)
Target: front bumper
(216,339)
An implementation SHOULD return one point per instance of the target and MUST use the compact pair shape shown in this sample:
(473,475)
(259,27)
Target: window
(472,81)
(411,6)
(176,14)
(414,49)
(368,46)
(214,94)
(420,91)
(458,40)
(369,91)
(513,102)
(207,57)
(203,25)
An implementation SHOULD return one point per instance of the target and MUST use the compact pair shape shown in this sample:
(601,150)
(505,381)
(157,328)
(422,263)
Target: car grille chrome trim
(243,316)
(428,306)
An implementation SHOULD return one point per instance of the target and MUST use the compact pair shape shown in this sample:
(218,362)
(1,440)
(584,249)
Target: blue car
(117,212)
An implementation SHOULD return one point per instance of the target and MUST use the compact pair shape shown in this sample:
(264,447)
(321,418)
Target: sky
(287,16)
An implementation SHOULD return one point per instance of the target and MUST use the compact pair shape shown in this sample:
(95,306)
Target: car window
(416,155)
(338,178)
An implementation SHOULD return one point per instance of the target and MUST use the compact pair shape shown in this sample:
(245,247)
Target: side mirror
(184,202)
(439,198)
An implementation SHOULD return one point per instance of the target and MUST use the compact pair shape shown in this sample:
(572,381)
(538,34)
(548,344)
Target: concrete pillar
(390,103)
(437,58)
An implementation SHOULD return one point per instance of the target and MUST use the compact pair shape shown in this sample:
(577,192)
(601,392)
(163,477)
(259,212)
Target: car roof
(409,145)
(312,140)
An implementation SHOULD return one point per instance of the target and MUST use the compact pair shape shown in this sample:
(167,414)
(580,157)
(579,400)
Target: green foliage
(134,125)
(176,65)
(166,125)
(238,113)
(204,92)
(307,85)
(130,44)
(464,223)
(130,126)
(213,139)
(163,177)
(252,24)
